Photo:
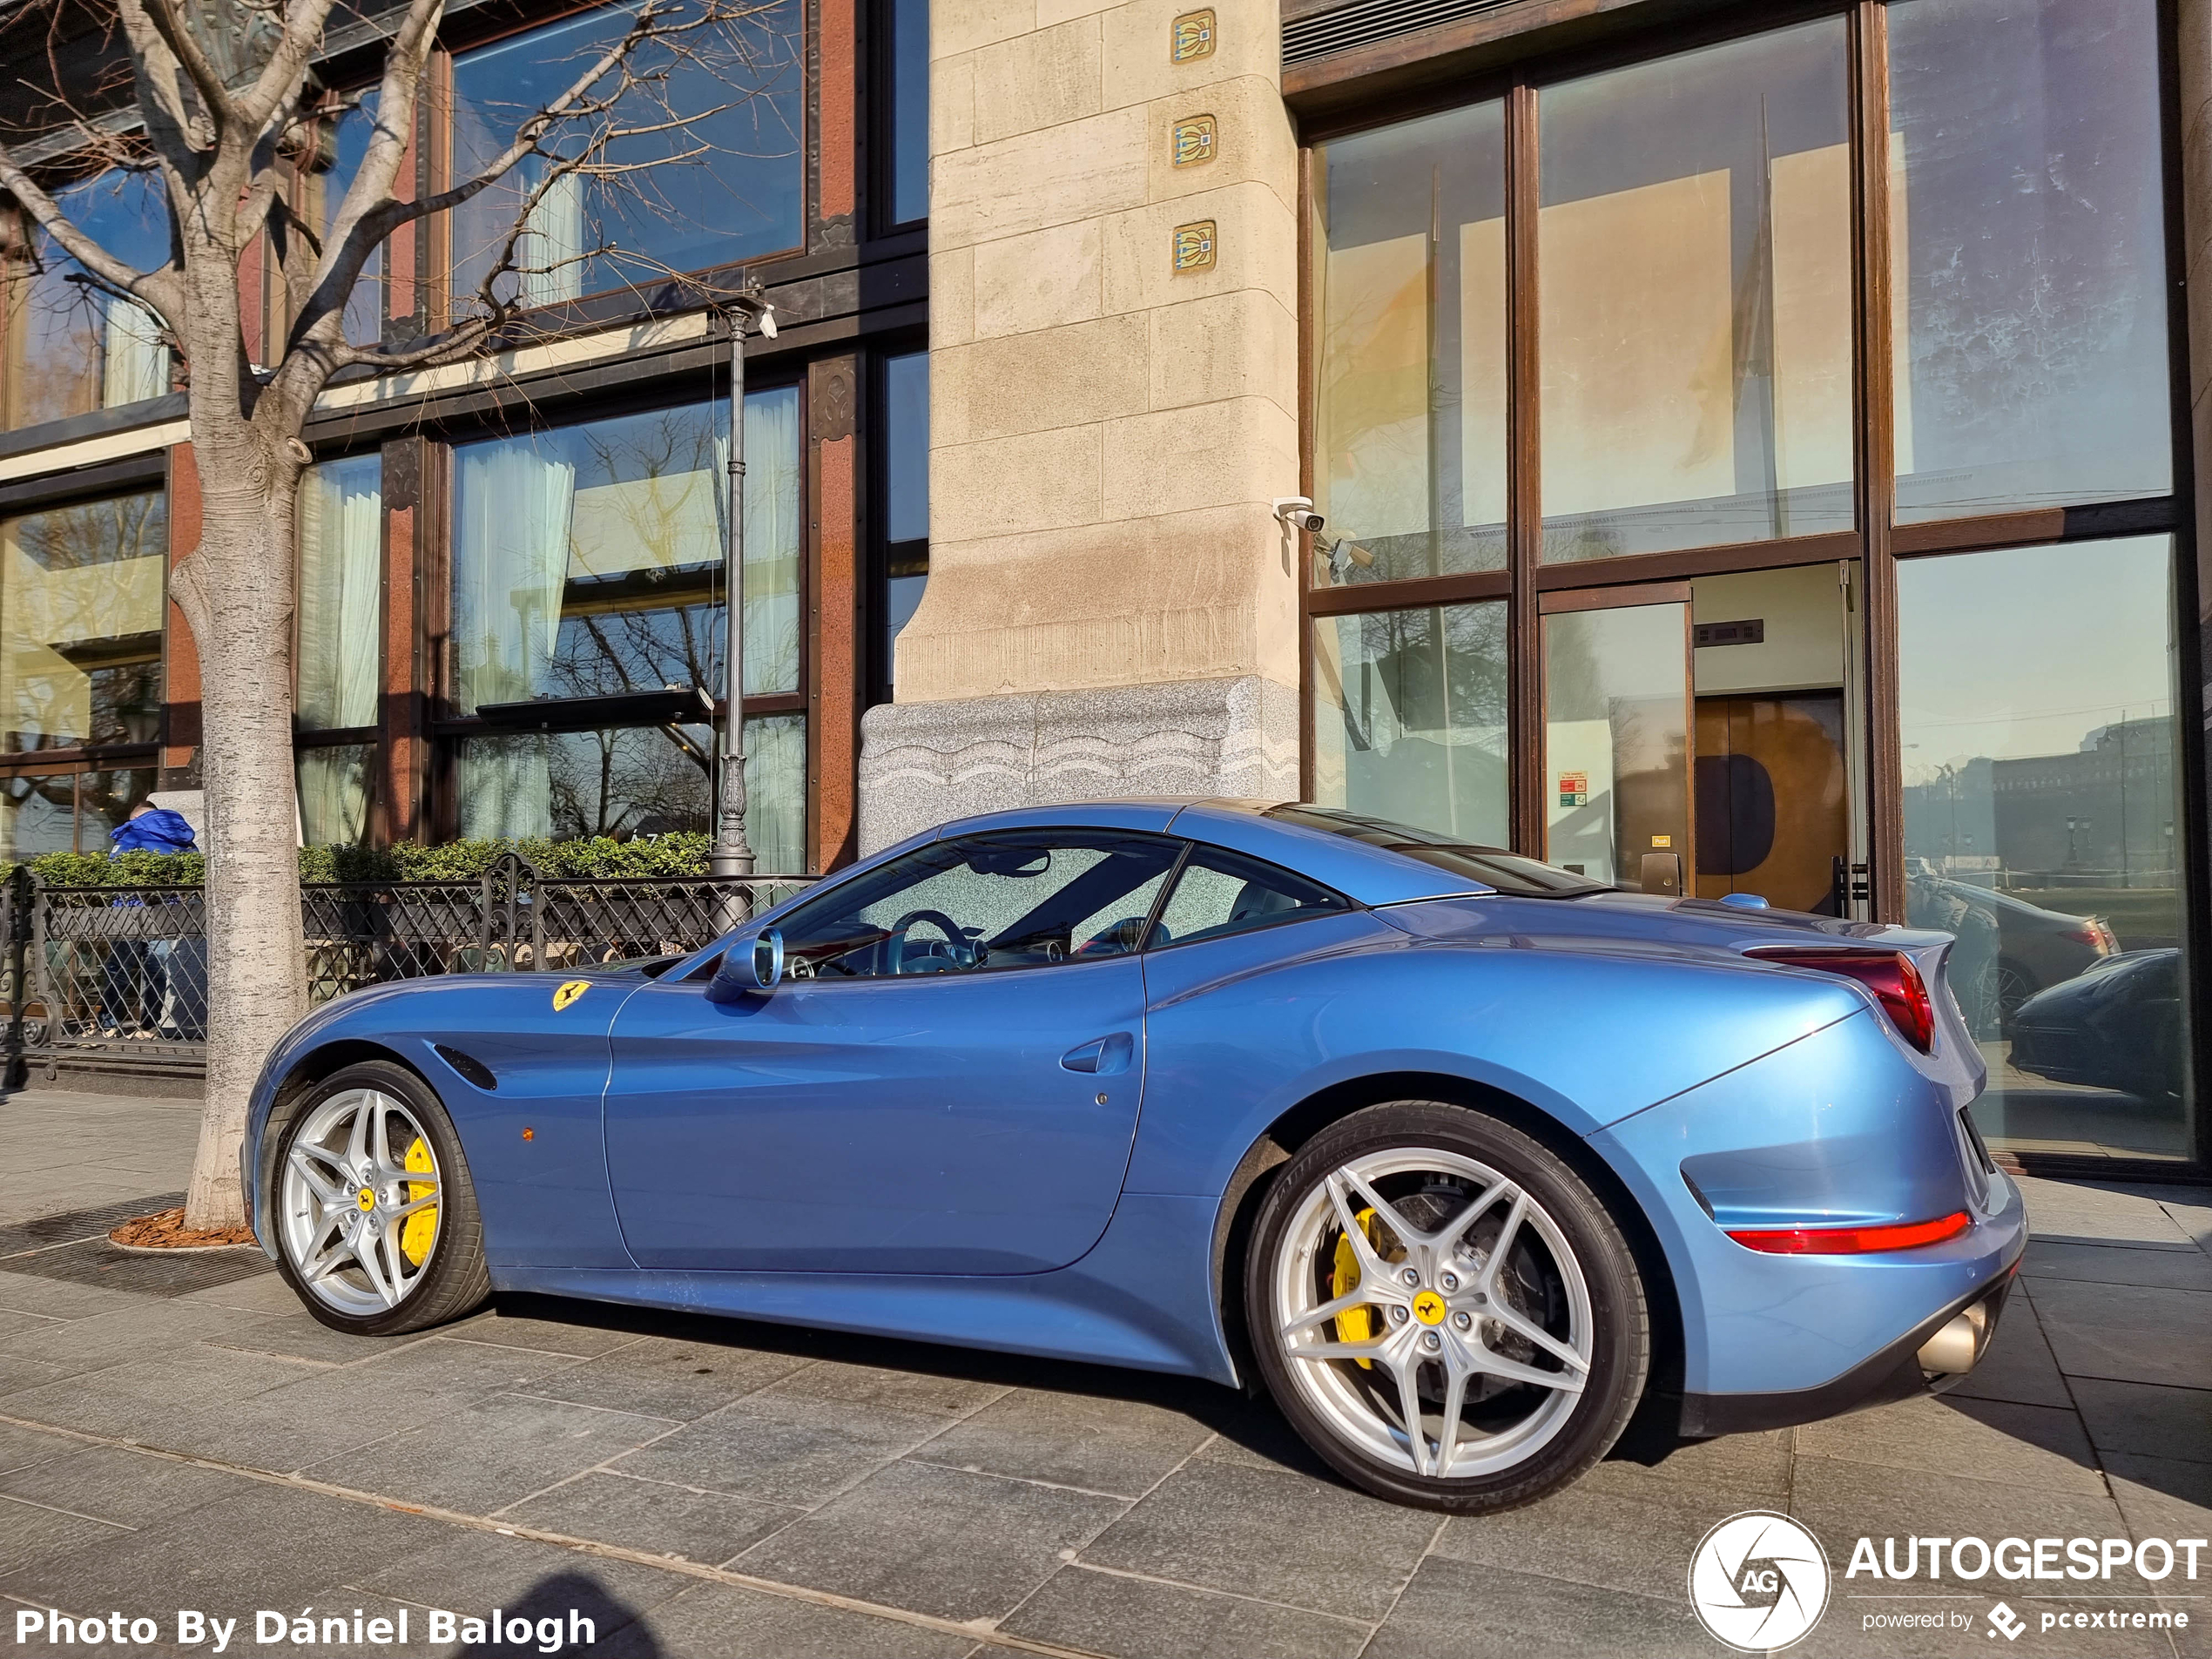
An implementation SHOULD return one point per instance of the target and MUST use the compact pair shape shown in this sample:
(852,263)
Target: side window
(1220,892)
(982,903)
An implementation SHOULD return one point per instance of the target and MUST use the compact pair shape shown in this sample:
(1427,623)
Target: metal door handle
(1102,1054)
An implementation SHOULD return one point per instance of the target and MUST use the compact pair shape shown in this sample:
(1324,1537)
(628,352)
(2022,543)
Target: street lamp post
(732,856)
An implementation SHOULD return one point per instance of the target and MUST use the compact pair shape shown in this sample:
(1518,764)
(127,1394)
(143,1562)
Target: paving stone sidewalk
(177,1433)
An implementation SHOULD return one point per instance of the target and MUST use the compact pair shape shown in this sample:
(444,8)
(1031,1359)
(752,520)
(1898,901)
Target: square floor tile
(1125,1617)
(941,1541)
(708,1528)
(1099,1443)
(1269,1534)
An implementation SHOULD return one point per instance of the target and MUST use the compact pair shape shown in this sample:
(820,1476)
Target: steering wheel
(963,954)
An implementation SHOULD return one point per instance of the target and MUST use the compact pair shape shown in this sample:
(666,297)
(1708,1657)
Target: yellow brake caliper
(417,1231)
(1353,1324)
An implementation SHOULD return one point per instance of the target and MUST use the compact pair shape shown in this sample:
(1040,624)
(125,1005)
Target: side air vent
(1362,23)
(468,1066)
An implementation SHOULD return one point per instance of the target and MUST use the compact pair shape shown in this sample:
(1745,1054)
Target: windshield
(1493,866)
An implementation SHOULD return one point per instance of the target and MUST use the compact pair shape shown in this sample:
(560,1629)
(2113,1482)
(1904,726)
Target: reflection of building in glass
(2106,810)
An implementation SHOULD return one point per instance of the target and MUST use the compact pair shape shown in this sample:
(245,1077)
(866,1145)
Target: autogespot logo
(1759,1581)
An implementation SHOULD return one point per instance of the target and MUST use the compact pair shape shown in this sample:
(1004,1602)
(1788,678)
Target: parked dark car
(2032,950)
(2116,1026)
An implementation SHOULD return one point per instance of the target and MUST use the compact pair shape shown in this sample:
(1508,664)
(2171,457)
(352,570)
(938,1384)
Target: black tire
(455,1278)
(1620,1359)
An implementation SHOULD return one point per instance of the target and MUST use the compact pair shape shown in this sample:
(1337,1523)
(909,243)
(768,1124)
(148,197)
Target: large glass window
(587,559)
(1410,303)
(1409,718)
(906,502)
(323,193)
(342,600)
(909,121)
(69,811)
(70,349)
(2028,249)
(1694,314)
(586,563)
(337,788)
(81,592)
(2044,827)
(721,182)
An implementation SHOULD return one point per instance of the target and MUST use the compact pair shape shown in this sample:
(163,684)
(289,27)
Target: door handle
(1108,1053)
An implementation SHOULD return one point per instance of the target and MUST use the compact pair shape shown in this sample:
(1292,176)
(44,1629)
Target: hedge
(680,854)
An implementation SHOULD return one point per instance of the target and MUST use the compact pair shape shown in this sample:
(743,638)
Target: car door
(946,1082)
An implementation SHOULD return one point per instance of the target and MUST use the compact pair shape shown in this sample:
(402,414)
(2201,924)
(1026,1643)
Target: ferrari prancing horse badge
(568,992)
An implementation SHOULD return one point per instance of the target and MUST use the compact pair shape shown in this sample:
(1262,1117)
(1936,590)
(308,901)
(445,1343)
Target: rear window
(1493,866)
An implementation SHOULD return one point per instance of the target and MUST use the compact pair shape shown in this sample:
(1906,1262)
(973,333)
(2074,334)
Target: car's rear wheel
(1443,1309)
(377,1226)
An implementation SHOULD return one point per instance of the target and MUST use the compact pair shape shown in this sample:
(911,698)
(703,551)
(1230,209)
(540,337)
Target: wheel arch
(291,1094)
(1280,1141)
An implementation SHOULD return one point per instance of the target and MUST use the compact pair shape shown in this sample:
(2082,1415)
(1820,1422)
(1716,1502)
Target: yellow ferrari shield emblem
(568,993)
(1428,1308)
(366,1199)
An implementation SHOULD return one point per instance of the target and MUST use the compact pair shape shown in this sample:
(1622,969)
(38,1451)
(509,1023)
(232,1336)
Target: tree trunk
(236,591)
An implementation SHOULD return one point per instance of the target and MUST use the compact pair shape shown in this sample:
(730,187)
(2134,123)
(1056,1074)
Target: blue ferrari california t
(1463,1157)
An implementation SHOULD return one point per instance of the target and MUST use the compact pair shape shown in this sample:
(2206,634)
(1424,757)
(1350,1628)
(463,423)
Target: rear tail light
(1889,974)
(2094,934)
(1854,1241)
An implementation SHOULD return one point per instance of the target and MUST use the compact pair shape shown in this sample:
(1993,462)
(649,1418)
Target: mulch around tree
(165,1229)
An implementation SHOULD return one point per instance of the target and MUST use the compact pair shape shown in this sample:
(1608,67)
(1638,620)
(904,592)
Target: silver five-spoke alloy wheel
(1432,1313)
(360,1202)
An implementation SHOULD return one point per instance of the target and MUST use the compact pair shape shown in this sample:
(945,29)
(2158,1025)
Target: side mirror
(749,967)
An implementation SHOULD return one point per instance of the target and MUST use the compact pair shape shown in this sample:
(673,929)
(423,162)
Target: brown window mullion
(1524,502)
(1877,411)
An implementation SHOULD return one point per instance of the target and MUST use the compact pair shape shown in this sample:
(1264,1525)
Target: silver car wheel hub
(1467,1340)
(346,1198)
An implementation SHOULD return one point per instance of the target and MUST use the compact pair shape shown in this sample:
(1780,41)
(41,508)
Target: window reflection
(341,603)
(71,350)
(337,785)
(587,559)
(1410,717)
(906,501)
(80,624)
(2028,250)
(909,110)
(67,812)
(723,183)
(2043,828)
(1694,311)
(324,193)
(631,781)
(1411,307)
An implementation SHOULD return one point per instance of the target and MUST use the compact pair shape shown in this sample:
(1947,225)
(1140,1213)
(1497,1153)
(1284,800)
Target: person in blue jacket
(155,985)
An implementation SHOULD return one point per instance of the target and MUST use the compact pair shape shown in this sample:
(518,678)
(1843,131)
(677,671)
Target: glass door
(1619,735)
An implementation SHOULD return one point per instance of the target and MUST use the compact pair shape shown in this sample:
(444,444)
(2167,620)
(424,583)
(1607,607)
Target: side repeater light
(1889,973)
(1855,1241)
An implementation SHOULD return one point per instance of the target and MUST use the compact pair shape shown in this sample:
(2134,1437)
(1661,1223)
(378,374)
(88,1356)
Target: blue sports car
(1465,1158)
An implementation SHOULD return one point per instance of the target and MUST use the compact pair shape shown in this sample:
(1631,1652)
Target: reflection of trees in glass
(623,783)
(70,350)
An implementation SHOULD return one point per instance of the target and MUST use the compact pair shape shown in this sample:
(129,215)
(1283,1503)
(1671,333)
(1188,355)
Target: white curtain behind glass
(771,538)
(340,598)
(134,364)
(513,504)
(550,254)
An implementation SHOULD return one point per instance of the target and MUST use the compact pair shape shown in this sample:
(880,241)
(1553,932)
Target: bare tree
(221,122)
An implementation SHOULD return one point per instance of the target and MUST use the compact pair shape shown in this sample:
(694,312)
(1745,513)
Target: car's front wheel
(1443,1309)
(377,1225)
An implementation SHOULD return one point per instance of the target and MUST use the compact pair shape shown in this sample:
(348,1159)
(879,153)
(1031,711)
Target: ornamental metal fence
(117,976)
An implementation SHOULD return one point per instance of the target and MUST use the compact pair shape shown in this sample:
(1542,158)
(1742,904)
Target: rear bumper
(1894,1373)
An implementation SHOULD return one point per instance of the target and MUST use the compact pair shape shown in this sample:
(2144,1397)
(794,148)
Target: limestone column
(1112,605)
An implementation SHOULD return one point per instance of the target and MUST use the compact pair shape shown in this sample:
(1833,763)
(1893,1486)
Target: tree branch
(158,289)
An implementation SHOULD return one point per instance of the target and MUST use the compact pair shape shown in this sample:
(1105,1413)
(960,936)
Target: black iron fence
(117,975)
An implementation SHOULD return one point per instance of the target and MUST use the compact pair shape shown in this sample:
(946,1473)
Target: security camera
(1297,512)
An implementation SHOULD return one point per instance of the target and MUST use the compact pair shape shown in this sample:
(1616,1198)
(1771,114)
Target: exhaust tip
(1957,1347)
